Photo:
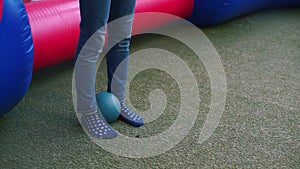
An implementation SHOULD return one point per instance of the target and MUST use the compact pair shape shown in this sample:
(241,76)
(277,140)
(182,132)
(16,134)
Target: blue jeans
(96,16)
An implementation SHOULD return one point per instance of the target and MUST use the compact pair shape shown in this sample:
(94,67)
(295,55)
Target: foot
(97,127)
(130,117)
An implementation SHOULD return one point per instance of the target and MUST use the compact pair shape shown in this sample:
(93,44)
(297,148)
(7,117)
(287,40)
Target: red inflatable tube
(55,25)
(1,9)
(180,8)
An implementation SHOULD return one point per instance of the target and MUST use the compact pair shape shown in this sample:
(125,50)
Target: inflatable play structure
(39,34)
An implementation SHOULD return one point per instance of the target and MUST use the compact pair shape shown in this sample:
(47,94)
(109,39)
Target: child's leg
(119,42)
(94,17)
(119,34)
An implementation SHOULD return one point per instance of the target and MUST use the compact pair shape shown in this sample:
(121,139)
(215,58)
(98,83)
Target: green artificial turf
(259,128)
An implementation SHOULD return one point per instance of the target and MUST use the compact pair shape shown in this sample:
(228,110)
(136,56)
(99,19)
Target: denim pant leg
(119,35)
(94,17)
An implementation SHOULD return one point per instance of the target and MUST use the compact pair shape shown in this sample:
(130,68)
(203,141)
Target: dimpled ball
(109,105)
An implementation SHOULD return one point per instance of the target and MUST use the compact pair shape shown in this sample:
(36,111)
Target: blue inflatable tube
(212,12)
(16,54)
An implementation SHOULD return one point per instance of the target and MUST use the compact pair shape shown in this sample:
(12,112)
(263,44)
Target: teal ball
(109,105)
